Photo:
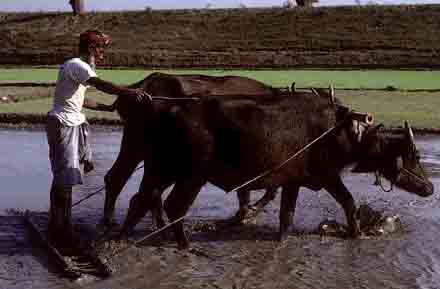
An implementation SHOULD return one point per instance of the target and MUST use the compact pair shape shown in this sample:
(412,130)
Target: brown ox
(176,86)
(228,141)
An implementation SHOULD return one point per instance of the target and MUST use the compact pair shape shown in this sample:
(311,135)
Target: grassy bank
(421,108)
(391,108)
(356,79)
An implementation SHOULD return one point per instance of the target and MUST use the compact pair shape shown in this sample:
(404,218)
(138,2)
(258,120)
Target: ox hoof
(354,233)
(243,216)
(183,244)
(248,215)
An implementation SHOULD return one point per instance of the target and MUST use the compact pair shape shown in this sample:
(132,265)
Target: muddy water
(239,257)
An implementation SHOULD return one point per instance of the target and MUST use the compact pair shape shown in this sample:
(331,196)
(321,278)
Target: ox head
(356,123)
(396,158)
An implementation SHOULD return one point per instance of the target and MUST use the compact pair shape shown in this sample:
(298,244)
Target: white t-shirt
(70,91)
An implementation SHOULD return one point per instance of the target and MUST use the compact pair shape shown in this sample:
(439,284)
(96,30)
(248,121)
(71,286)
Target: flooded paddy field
(237,257)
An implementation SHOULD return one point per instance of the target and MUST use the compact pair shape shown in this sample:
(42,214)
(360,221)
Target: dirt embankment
(369,36)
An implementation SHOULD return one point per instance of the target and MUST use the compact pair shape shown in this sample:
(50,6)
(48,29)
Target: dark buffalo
(175,86)
(228,141)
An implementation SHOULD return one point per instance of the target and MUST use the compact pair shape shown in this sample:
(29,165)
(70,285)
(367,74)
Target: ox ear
(372,131)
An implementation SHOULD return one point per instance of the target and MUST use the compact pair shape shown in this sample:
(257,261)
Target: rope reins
(119,252)
(378,181)
(98,191)
(285,162)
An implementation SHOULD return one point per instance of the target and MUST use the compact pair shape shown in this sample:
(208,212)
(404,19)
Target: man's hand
(139,95)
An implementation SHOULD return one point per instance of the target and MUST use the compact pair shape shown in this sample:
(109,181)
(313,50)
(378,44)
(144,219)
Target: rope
(89,196)
(170,98)
(119,252)
(415,176)
(174,98)
(378,182)
(283,163)
(97,191)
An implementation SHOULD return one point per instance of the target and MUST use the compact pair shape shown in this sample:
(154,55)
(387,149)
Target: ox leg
(269,196)
(246,211)
(157,210)
(343,196)
(289,196)
(139,206)
(244,199)
(149,197)
(177,205)
(128,158)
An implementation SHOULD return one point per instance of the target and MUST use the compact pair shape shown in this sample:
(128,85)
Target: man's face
(97,52)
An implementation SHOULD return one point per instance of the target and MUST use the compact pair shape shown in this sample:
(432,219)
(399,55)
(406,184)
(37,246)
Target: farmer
(67,129)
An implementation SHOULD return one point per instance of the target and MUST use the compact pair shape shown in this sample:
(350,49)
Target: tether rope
(283,163)
(119,252)
(98,191)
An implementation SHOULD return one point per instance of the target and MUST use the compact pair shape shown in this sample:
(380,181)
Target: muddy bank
(29,119)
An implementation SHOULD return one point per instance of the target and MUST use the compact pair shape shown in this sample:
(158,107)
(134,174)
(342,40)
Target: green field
(421,108)
(356,79)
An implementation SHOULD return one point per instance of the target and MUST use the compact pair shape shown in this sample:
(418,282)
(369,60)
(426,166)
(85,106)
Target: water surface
(244,257)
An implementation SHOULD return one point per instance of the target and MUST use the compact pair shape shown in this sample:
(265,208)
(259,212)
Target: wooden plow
(82,262)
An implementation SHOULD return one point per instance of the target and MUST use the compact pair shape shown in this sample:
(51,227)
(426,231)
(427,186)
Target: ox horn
(409,131)
(362,117)
(292,87)
(315,92)
(331,92)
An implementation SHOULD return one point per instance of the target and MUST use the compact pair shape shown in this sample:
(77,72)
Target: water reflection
(25,174)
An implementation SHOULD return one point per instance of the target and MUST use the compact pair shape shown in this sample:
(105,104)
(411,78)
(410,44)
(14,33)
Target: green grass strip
(390,108)
(356,79)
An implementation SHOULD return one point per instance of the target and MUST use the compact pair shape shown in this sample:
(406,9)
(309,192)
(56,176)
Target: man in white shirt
(67,128)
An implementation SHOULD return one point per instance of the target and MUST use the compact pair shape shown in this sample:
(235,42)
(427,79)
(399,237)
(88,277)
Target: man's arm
(110,88)
(93,105)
